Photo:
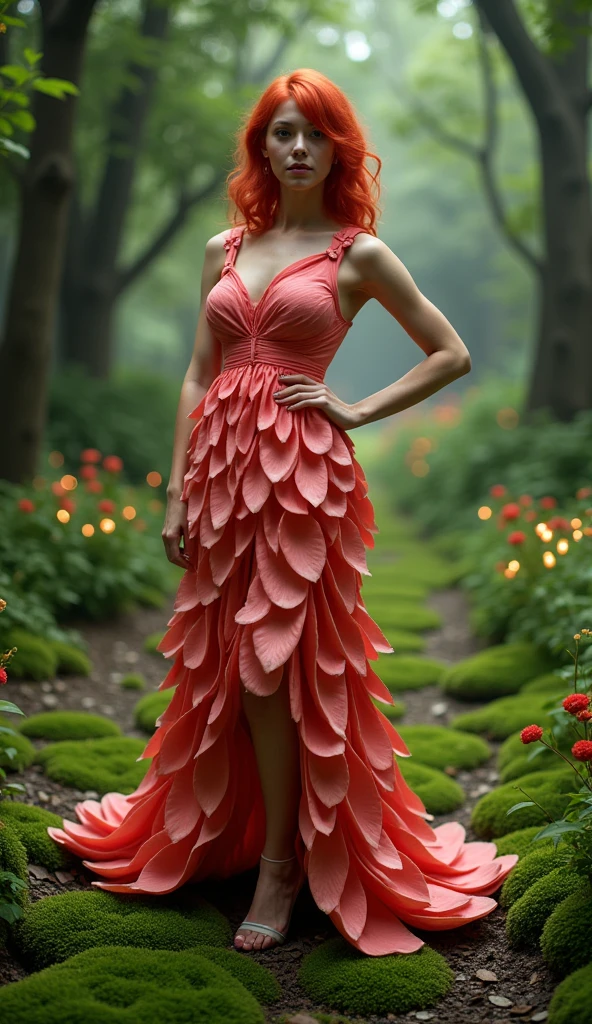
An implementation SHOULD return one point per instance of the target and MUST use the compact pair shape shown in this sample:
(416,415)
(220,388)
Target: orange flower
(90,455)
(26,505)
(113,464)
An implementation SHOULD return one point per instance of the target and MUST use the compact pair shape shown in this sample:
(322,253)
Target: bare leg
(275,739)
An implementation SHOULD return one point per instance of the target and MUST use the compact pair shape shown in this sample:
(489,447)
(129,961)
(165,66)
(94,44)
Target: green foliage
(14,880)
(551,790)
(106,765)
(500,718)
(403,642)
(24,751)
(439,747)
(570,1002)
(129,985)
(550,682)
(58,927)
(71,660)
(30,825)
(133,681)
(516,759)
(438,791)
(408,671)
(68,725)
(521,842)
(403,615)
(151,643)
(527,871)
(566,938)
(527,916)
(495,671)
(338,974)
(151,706)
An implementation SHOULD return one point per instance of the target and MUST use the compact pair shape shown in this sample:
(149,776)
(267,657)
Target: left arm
(381,275)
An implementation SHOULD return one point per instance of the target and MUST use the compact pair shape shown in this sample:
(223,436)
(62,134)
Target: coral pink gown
(279,520)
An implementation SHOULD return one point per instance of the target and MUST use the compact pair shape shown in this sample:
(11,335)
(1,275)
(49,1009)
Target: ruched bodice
(296,324)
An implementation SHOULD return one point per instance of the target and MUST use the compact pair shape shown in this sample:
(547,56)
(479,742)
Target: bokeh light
(88,529)
(62,515)
(485,512)
(55,459)
(128,512)
(107,525)
(153,478)
(549,559)
(69,482)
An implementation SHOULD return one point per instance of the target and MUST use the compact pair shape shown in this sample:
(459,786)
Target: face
(289,139)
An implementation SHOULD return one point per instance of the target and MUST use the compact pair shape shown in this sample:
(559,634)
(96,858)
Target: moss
(71,660)
(30,824)
(498,719)
(550,789)
(133,681)
(408,671)
(422,566)
(25,751)
(57,927)
(107,765)
(391,711)
(68,725)
(150,707)
(403,615)
(35,658)
(151,643)
(550,682)
(570,1002)
(527,916)
(439,792)
(338,974)
(527,871)
(515,759)
(130,986)
(13,857)
(405,642)
(259,980)
(380,590)
(521,841)
(440,747)
(495,672)
(566,939)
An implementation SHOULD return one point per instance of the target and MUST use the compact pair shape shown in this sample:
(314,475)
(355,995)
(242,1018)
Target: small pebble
(64,876)
(500,1000)
(485,975)
(116,677)
(91,794)
(424,1015)
(46,687)
(88,702)
(541,1015)
(460,977)
(107,710)
(132,657)
(50,700)
(42,796)
(440,708)
(60,686)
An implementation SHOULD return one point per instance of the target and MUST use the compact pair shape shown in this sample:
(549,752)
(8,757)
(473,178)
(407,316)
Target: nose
(299,146)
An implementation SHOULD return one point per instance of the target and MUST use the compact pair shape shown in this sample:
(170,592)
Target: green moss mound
(439,792)
(151,643)
(380,590)
(550,682)
(527,916)
(440,747)
(150,707)
(420,565)
(570,1002)
(133,681)
(13,857)
(391,711)
(495,672)
(68,725)
(71,660)
(131,986)
(515,758)
(521,841)
(566,939)
(404,642)
(550,789)
(57,927)
(259,980)
(30,824)
(106,765)
(408,671)
(336,973)
(500,718)
(25,751)
(35,658)
(528,871)
(403,615)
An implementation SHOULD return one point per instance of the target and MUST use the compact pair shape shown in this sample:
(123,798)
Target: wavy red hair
(348,189)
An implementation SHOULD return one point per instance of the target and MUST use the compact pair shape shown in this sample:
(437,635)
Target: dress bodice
(296,324)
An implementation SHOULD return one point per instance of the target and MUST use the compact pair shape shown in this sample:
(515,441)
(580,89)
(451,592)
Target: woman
(272,746)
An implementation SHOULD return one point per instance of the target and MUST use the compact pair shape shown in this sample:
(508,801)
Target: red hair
(347,196)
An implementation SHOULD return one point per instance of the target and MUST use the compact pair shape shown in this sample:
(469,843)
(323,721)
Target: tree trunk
(556,89)
(45,192)
(91,282)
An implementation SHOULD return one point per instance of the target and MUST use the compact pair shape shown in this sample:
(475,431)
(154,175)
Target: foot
(276,891)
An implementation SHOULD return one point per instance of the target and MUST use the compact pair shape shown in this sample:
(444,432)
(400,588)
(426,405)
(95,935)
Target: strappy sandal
(266,929)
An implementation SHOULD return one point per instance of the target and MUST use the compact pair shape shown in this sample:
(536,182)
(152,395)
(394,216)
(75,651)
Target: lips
(299,167)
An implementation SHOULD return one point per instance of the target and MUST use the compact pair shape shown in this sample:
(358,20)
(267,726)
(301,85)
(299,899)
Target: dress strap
(231,244)
(341,240)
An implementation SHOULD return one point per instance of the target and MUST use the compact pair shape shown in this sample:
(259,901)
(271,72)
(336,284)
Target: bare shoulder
(369,253)
(377,267)
(214,258)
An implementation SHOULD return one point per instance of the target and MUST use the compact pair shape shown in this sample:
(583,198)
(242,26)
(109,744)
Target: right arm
(198,378)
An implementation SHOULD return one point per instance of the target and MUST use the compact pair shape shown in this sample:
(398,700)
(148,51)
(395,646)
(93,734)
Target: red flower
(584,716)
(3,676)
(106,505)
(113,464)
(57,489)
(68,505)
(575,702)
(530,733)
(583,492)
(529,515)
(516,537)
(90,455)
(558,523)
(88,472)
(582,750)
(525,499)
(497,491)
(548,502)
(26,505)
(511,511)
(94,487)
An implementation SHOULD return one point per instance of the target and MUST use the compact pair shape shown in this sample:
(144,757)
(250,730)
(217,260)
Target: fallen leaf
(541,1015)
(522,1008)
(485,975)
(500,1000)
(534,978)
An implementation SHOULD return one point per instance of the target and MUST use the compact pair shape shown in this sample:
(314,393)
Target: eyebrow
(290,122)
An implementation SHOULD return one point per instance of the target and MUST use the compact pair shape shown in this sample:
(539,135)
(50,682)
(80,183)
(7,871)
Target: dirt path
(116,648)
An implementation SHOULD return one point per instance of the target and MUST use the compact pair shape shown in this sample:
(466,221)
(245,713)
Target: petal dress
(279,520)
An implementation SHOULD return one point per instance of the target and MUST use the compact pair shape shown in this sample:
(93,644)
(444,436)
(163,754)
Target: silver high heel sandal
(266,929)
